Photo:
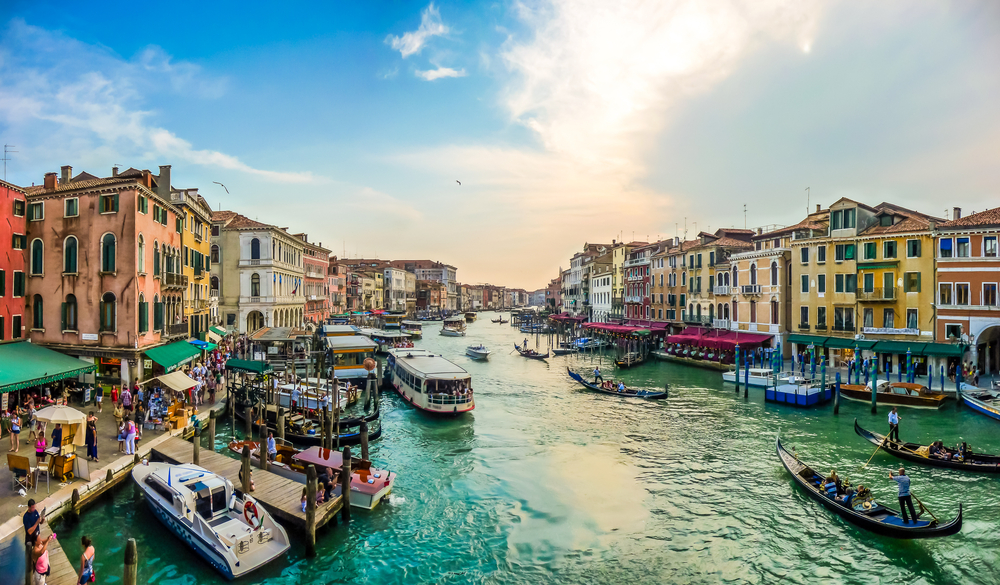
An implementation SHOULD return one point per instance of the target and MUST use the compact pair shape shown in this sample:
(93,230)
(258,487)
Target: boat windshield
(208,504)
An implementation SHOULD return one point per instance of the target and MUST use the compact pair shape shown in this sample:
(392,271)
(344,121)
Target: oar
(876,451)
(923,507)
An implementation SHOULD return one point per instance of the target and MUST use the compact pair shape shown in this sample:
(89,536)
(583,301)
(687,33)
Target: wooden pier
(61,570)
(281,496)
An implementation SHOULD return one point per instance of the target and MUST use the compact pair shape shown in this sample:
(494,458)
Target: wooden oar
(923,507)
(876,451)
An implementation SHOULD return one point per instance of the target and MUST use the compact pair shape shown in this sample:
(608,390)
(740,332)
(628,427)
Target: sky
(565,122)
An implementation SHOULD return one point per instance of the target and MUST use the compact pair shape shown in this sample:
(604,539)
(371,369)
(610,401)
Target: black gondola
(878,518)
(353,437)
(920,454)
(627,393)
(629,360)
(530,353)
(564,350)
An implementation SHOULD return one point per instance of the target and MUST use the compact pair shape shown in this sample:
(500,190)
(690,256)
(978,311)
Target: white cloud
(411,43)
(377,203)
(65,99)
(432,74)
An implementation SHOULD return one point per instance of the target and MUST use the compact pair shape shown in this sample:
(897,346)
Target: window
(15,327)
(179,225)
(869,282)
(37,313)
(109,203)
(838,283)
(821,317)
(804,255)
(255,285)
(869,317)
(143,205)
(912,248)
(944,293)
(69,314)
(849,215)
(961,293)
(19,206)
(108,253)
(3,283)
(19,242)
(962,247)
(36,211)
(821,284)
(944,248)
(888,318)
(911,282)
(869,250)
(990,294)
(186,263)
(821,254)
(2,336)
(805,283)
(911,319)
(18,284)
(141,259)
(37,258)
(803,316)
(143,314)
(885,220)
(711,258)
(889,249)
(255,249)
(990,246)
(774,273)
(953,330)
(844,252)
(158,314)
(108,312)
(842,219)
(71,208)
(684,278)
(215,259)
(843,319)
(851,283)
(215,230)
(156,259)
(699,260)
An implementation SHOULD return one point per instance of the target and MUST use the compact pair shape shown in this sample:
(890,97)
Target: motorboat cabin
(339,330)
(392,320)
(470,317)
(412,328)
(429,382)
(453,327)
(349,354)
(758,378)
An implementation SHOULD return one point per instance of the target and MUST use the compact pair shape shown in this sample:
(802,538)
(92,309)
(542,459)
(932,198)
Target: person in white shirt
(272,448)
(893,426)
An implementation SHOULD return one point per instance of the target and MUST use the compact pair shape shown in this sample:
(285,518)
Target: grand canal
(548,483)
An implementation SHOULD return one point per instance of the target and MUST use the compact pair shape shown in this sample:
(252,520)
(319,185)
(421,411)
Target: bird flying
(457,181)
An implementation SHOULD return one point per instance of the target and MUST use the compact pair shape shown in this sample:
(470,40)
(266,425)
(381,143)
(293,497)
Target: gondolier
(905,500)
(597,375)
(893,426)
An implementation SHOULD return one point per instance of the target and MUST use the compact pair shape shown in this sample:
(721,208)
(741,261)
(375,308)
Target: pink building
(337,285)
(104,270)
(315,265)
(13,241)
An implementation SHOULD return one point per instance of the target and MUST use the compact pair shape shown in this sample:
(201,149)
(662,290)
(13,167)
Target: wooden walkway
(62,571)
(281,496)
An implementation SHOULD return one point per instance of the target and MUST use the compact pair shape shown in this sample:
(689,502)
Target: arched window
(108,253)
(736,277)
(69,313)
(143,314)
(37,257)
(774,312)
(70,248)
(753,274)
(736,311)
(36,315)
(711,312)
(156,258)
(698,311)
(753,311)
(684,278)
(140,260)
(255,249)
(725,308)
(255,285)
(214,283)
(108,312)
(774,273)
(215,254)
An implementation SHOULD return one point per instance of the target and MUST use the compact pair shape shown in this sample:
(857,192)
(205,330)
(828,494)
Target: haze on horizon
(566,122)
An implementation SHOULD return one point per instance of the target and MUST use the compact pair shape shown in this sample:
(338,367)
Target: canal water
(548,483)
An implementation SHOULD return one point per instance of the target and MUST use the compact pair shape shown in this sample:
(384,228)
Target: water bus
(412,328)
(392,320)
(453,327)
(429,382)
(470,317)
(349,354)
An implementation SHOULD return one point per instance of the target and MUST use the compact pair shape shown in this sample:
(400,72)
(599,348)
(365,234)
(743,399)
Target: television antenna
(7,151)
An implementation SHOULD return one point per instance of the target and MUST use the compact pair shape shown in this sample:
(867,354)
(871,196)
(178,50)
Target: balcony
(721,290)
(697,319)
(176,330)
(844,327)
(721,323)
(750,289)
(198,237)
(877,294)
(821,327)
(213,294)
(803,327)
(171,280)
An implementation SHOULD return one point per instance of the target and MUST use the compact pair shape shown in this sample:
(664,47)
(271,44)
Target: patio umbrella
(71,419)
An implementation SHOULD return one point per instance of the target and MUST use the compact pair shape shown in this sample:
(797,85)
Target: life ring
(251,514)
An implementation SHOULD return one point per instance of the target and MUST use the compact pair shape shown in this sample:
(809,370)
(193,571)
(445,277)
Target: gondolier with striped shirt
(905,500)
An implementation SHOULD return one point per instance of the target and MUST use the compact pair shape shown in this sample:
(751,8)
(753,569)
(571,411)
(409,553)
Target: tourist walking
(91,438)
(99,397)
(87,561)
(40,560)
(893,425)
(15,431)
(905,501)
(140,418)
(130,438)
(121,436)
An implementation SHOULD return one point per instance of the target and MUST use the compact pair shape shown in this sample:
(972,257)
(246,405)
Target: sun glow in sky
(565,121)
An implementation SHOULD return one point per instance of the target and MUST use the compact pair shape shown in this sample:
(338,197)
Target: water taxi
(429,382)
(349,354)
(339,330)
(478,352)
(453,327)
(759,377)
(392,320)
(412,328)
(233,533)
(470,317)
(387,340)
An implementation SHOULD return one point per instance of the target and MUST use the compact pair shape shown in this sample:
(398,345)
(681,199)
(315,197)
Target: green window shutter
(3,282)
(918,279)
(31,212)
(906,283)
(63,326)
(116,202)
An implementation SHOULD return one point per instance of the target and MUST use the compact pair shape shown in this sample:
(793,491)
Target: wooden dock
(281,496)
(62,571)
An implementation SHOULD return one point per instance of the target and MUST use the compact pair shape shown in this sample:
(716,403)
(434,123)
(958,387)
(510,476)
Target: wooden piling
(310,511)
(131,563)
(336,411)
(29,563)
(364,440)
(247,416)
(836,395)
(246,469)
(211,430)
(196,447)
(109,477)
(345,485)
(75,498)
(262,461)
(281,424)
(324,437)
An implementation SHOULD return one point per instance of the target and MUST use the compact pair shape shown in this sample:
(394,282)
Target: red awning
(622,329)
(718,339)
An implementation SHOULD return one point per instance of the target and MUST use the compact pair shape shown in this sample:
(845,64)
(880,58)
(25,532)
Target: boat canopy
(350,343)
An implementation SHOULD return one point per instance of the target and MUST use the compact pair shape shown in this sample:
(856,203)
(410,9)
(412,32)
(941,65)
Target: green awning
(24,364)
(848,343)
(248,366)
(173,355)
(807,339)
(873,265)
(641,332)
(899,347)
(944,349)
(218,331)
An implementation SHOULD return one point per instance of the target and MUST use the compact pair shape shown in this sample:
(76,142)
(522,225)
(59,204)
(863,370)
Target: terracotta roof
(990,217)
(243,222)
(223,215)
(84,176)
(730,243)
(72,185)
(11,186)
(804,224)
(914,220)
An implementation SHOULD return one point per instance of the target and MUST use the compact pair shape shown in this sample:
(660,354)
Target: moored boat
(564,350)
(610,387)
(478,352)
(629,359)
(917,453)
(530,353)
(305,430)
(759,377)
(232,532)
(987,403)
(369,485)
(895,393)
(860,509)
(429,382)
(798,392)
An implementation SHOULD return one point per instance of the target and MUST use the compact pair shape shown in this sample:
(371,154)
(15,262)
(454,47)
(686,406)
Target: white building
(394,282)
(600,292)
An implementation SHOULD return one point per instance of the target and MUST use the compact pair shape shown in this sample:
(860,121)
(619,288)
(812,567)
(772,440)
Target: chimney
(163,182)
(956,213)
(760,231)
(67,175)
(50,181)
(114,171)
(817,208)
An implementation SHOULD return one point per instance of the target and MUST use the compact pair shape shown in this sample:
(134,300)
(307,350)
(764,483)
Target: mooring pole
(345,485)
(211,430)
(131,563)
(311,511)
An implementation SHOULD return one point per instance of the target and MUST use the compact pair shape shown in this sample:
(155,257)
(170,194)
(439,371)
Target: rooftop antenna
(744,216)
(6,152)
(807,201)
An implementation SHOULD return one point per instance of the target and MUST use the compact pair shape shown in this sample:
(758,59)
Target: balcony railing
(177,329)
(721,323)
(821,327)
(171,280)
(750,289)
(803,327)
(721,290)
(844,327)
(697,319)
(197,237)
(214,293)
(878,294)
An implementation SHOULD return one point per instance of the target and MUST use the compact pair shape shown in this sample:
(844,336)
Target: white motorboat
(759,377)
(453,327)
(478,352)
(234,534)
(430,382)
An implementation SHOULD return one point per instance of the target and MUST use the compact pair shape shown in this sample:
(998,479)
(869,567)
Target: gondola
(352,436)
(629,360)
(530,353)
(919,454)
(564,350)
(876,518)
(628,393)
(500,321)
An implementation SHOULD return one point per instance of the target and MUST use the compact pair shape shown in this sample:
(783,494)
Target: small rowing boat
(917,453)
(895,393)
(530,353)
(987,403)
(630,359)
(564,350)
(859,508)
(610,387)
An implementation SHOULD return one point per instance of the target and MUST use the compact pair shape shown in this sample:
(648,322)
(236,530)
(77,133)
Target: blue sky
(566,122)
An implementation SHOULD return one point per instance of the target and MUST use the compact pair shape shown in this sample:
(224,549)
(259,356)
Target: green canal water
(547,483)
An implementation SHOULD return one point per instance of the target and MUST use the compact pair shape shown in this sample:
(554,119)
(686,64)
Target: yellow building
(708,265)
(194,225)
(619,255)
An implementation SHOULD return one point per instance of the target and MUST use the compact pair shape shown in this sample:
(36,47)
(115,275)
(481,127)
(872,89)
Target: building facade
(394,280)
(13,241)
(337,285)
(196,253)
(315,279)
